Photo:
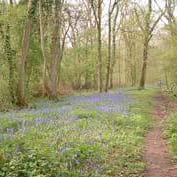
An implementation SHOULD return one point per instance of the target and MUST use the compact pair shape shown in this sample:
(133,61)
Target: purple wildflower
(10,131)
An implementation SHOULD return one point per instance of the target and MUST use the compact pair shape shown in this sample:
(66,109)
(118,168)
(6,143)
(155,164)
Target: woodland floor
(108,131)
(158,161)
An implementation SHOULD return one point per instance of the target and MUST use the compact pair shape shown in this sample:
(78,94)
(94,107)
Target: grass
(131,160)
(170,131)
(171,134)
(144,100)
(95,144)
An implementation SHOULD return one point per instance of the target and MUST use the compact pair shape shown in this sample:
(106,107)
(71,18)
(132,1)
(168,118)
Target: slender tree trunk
(144,66)
(9,54)
(113,58)
(23,54)
(44,80)
(55,52)
(109,54)
(148,33)
(61,53)
(10,57)
(87,77)
(97,11)
(100,80)
(134,72)
(53,68)
(120,65)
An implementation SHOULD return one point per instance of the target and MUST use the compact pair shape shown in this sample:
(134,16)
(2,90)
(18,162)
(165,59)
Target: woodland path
(156,156)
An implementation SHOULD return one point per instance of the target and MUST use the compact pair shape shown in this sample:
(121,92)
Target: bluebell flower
(10,131)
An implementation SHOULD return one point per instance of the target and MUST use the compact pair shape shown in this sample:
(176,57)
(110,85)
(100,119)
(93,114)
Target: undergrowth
(94,144)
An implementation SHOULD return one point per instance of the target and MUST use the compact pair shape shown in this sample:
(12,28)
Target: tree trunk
(9,54)
(109,54)
(44,81)
(61,53)
(55,52)
(24,49)
(53,67)
(144,67)
(113,58)
(100,81)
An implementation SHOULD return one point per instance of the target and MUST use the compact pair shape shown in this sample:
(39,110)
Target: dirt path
(156,156)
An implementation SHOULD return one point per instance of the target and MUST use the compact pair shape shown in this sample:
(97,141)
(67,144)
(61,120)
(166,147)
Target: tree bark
(113,58)
(109,53)
(23,54)
(97,11)
(144,66)
(55,51)
(114,33)
(9,54)
(44,80)
(100,81)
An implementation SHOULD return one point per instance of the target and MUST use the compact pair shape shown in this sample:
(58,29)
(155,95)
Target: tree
(169,63)
(44,70)
(115,29)
(9,53)
(147,28)
(97,11)
(110,12)
(115,18)
(24,49)
(170,6)
(61,26)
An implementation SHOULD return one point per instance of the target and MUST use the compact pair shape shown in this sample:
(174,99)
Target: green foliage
(171,133)
(144,100)
(29,163)
(86,149)
(167,55)
(10,31)
(9,123)
(84,114)
(33,8)
(98,145)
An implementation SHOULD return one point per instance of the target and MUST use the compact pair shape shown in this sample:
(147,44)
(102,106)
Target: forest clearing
(88,88)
